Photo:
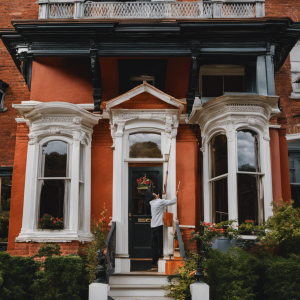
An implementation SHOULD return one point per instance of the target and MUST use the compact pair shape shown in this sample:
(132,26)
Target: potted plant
(175,240)
(50,222)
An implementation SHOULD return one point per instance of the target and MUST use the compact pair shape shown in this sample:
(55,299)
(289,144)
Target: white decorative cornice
(57,118)
(166,117)
(228,113)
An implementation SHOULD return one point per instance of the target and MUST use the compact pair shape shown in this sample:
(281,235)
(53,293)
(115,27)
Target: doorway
(143,181)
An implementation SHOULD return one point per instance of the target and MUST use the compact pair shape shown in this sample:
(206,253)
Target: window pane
(248,197)
(55,159)
(145,145)
(220,200)
(219,156)
(247,144)
(212,86)
(52,198)
(233,84)
(5,193)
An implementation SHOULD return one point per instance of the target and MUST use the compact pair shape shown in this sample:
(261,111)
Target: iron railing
(180,241)
(111,250)
(79,9)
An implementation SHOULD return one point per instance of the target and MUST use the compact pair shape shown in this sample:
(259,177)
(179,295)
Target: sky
(246,151)
(55,146)
(145,137)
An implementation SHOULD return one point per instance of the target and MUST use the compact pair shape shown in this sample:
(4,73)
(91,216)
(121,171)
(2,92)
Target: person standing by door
(157,224)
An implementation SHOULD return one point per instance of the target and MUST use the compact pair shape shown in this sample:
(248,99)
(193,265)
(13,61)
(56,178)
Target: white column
(87,191)
(171,190)
(232,168)
(267,179)
(29,220)
(74,195)
(118,195)
(206,185)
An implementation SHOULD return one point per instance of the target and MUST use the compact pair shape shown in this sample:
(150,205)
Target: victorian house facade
(118,92)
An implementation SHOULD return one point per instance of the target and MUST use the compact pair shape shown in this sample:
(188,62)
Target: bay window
(58,179)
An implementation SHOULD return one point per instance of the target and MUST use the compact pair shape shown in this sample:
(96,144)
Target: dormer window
(216,80)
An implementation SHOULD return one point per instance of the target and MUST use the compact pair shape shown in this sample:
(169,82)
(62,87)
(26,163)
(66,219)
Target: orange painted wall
(102,170)
(69,79)
(177,76)
(61,79)
(275,165)
(187,173)
(18,184)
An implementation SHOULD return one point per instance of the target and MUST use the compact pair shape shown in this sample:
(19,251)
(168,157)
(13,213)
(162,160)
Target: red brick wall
(283,9)
(17,91)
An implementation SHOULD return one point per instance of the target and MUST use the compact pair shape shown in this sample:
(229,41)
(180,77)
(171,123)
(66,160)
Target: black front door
(142,182)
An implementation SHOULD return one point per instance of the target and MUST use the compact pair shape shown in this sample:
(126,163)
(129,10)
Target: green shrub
(48,250)
(63,278)
(181,290)
(17,275)
(281,278)
(232,275)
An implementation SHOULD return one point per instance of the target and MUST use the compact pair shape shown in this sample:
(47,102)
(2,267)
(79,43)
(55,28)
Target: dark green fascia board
(6,171)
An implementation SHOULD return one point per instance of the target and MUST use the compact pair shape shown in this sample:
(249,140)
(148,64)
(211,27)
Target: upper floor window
(3,88)
(145,145)
(216,80)
(294,166)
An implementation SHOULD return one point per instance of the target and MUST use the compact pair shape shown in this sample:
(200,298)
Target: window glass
(220,199)
(247,146)
(294,165)
(52,198)
(212,86)
(145,145)
(219,156)
(55,159)
(248,197)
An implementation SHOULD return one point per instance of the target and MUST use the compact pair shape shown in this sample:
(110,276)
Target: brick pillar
(284,165)
(275,165)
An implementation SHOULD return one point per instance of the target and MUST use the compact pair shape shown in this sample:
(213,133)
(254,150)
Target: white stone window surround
(227,115)
(124,123)
(69,123)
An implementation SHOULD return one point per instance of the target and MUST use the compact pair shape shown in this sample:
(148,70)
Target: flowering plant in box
(50,222)
(248,227)
(143,183)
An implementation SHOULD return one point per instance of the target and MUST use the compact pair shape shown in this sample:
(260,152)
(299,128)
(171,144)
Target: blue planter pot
(223,243)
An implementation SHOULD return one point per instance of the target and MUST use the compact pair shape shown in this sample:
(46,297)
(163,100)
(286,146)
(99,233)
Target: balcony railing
(78,9)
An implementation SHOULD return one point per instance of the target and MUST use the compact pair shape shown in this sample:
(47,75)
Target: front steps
(138,286)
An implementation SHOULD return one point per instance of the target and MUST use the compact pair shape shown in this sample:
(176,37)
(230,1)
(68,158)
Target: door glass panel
(247,146)
(55,159)
(145,145)
(219,156)
(220,200)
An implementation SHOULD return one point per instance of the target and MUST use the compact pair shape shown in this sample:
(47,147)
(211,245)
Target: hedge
(17,275)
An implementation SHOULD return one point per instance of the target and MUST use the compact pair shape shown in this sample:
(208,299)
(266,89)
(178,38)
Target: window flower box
(50,222)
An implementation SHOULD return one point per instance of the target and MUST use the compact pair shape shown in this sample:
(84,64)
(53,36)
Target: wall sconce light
(3,88)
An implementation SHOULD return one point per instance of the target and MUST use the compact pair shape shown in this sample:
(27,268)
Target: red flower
(208,224)
(144,182)
(209,228)
(215,229)
(54,222)
(203,223)
(138,181)
(57,219)
(42,219)
(51,219)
